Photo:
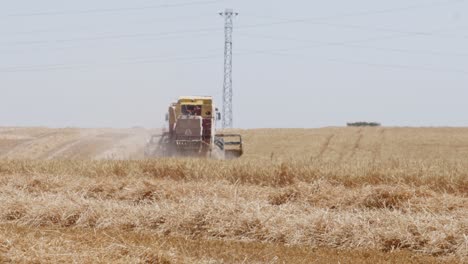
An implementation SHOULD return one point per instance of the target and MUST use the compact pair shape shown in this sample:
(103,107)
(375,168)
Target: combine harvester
(192,132)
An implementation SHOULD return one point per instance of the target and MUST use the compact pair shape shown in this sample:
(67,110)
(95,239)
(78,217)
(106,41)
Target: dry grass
(35,245)
(357,195)
(440,176)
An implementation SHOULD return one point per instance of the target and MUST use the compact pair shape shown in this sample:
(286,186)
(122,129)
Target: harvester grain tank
(192,132)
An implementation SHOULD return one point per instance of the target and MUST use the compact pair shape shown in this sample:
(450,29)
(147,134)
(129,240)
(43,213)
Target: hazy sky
(297,63)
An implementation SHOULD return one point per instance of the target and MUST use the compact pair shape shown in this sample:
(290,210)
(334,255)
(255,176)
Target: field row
(337,145)
(181,198)
(65,245)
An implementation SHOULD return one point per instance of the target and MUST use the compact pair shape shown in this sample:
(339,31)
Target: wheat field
(329,195)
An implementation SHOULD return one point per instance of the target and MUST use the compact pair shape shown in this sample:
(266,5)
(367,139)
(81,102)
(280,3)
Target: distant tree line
(364,124)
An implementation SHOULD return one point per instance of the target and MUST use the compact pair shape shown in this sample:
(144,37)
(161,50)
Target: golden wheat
(383,189)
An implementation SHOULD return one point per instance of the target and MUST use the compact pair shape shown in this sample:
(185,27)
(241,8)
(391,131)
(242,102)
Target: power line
(206,30)
(315,21)
(353,62)
(121,36)
(123,61)
(382,29)
(284,21)
(183,32)
(361,13)
(138,22)
(110,10)
(397,9)
(367,12)
(351,44)
(319,44)
(275,52)
(63,66)
(356,27)
(72,45)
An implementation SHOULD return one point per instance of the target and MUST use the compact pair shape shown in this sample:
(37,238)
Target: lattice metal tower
(228,15)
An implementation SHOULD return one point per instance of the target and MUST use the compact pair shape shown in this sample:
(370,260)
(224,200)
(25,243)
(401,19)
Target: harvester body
(192,132)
